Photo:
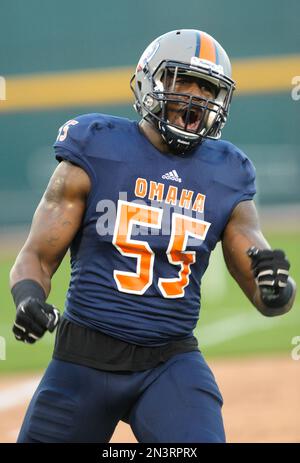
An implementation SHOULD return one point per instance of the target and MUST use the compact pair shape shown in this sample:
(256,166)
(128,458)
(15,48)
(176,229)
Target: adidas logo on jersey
(172,175)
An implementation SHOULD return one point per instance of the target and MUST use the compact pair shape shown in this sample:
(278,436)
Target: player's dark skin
(61,210)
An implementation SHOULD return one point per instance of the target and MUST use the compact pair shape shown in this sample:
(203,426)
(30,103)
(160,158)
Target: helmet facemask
(183,119)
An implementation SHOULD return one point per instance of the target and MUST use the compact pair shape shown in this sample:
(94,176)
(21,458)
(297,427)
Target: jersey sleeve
(242,176)
(239,179)
(71,143)
(247,181)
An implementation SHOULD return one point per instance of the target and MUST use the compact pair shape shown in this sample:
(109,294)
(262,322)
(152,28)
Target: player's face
(177,111)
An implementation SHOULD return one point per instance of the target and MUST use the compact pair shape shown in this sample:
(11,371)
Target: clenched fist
(271,272)
(34,317)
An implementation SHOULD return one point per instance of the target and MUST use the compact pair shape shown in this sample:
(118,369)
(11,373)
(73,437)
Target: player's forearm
(280,307)
(29,265)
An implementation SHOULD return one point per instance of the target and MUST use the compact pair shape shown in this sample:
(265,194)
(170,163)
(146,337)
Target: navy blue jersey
(150,224)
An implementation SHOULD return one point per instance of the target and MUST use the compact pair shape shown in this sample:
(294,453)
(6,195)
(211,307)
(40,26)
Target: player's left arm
(262,273)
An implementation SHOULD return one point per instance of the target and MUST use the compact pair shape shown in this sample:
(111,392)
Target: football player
(170,189)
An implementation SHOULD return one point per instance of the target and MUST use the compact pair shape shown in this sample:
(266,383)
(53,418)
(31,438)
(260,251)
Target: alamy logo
(296,349)
(296,88)
(172,175)
(2,348)
(2,88)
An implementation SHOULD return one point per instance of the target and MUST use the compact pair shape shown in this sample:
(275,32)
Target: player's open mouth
(192,117)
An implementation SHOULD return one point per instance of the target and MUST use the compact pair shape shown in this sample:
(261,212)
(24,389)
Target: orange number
(129,214)
(63,131)
(182,228)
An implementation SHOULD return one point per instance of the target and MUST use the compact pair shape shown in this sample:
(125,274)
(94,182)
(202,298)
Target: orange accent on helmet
(207,48)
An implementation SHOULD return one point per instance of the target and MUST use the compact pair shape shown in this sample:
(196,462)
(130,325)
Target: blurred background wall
(60,59)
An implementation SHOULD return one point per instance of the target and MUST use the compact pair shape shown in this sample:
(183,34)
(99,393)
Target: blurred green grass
(229,325)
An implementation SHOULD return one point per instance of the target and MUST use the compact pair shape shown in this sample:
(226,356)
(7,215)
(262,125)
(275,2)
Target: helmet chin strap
(177,142)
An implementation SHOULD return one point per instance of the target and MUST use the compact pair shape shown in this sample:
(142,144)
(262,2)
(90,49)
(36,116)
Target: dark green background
(38,37)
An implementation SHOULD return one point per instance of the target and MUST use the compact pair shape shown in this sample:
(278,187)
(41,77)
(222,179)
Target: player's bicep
(242,232)
(59,215)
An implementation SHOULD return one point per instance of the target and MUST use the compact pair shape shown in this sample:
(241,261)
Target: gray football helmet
(183,54)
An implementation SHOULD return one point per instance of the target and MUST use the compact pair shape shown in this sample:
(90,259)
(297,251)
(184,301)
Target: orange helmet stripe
(207,48)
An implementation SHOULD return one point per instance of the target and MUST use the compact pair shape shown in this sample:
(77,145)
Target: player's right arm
(55,223)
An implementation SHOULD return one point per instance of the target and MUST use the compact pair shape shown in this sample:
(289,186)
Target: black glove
(34,317)
(271,272)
